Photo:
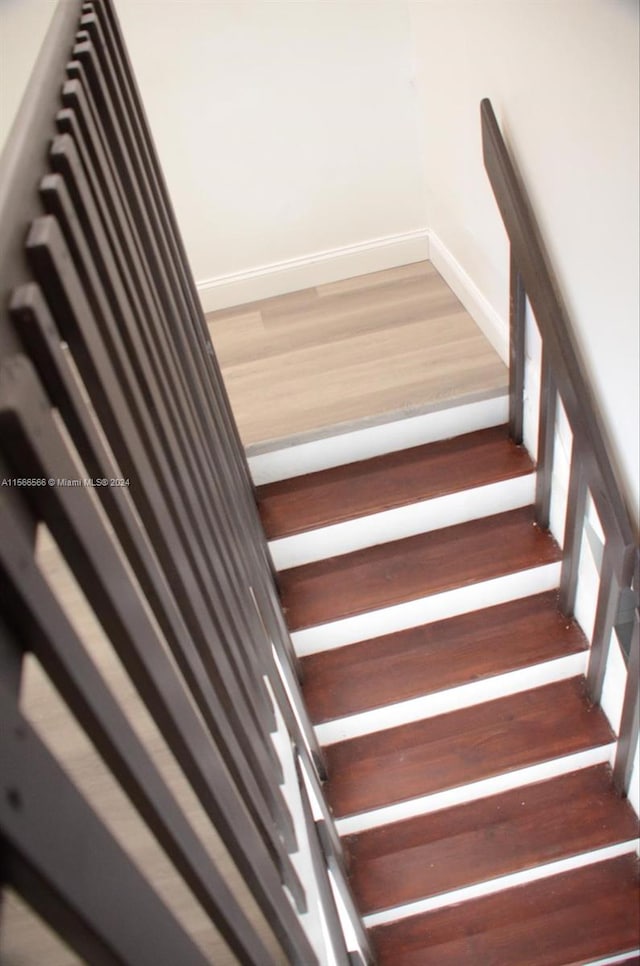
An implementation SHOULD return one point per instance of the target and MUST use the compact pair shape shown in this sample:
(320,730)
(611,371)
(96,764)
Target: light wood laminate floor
(350,353)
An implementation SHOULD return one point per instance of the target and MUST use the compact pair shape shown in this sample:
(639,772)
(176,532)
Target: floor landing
(352,353)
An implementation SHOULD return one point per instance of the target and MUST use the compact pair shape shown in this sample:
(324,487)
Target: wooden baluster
(616,572)
(628,735)
(331,850)
(605,618)
(321,876)
(574,526)
(546,441)
(31,435)
(104,916)
(31,603)
(517,309)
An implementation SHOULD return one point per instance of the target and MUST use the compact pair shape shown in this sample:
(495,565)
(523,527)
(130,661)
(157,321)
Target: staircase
(468,772)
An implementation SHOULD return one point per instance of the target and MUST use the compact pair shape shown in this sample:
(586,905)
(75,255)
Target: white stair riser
(461,600)
(405,521)
(361,444)
(474,791)
(621,958)
(453,699)
(492,886)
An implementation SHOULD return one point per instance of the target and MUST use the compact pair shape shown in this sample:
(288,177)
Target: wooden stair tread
(433,657)
(478,841)
(567,919)
(395,479)
(403,570)
(463,746)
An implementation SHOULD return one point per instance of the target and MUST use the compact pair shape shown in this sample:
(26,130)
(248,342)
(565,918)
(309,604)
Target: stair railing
(116,435)
(593,475)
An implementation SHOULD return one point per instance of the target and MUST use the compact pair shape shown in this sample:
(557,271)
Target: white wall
(289,129)
(286,129)
(23,25)
(563,79)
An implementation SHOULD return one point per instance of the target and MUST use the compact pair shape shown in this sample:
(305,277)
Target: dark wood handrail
(593,467)
(566,360)
(23,157)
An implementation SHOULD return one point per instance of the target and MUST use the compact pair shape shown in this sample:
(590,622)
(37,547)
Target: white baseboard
(333,265)
(337,264)
(479,308)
